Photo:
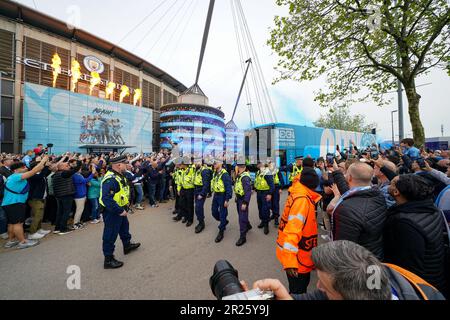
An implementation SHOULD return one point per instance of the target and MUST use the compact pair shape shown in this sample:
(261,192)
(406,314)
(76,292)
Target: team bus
(283,142)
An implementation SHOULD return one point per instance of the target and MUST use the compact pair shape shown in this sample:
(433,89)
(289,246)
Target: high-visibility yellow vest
(122,197)
(260,182)
(187,178)
(217,184)
(238,187)
(295,171)
(276,180)
(198,180)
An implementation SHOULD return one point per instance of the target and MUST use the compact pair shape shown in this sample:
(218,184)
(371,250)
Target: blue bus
(284,142)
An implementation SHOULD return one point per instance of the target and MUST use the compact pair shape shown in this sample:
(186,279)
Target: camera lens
(224,281)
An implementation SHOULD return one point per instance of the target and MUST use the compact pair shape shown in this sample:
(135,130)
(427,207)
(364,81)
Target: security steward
(243,191)
(114,197)
(264,189)
(279,185)
(202,183)
(297,234)
(186,192)
(222,190)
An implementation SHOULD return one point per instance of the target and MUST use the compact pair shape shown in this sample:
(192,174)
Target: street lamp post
(392,123)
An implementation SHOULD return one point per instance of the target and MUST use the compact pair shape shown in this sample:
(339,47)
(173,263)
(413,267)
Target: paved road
(172,263)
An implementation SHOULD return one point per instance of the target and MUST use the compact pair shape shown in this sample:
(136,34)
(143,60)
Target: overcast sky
(173,44)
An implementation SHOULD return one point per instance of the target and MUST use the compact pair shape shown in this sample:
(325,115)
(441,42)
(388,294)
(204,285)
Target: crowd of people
(65,191)
(393,203)
(390,206)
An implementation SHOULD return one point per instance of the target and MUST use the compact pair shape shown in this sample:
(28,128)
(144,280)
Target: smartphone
(421,163)
(330,159)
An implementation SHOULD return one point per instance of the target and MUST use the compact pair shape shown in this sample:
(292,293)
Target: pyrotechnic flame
(110,89)
(56,65)
(137,96)
(95,80)
(76,73)
(125,91)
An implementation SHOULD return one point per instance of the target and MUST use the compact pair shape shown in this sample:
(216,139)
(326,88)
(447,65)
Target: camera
(225,285)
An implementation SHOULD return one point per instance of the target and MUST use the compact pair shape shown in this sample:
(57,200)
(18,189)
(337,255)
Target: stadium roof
(19,12)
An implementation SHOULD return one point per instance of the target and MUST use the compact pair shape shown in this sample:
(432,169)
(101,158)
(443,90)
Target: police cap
(299,158)
(119,159)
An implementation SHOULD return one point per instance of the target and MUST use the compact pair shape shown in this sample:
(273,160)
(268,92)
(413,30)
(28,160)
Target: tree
(340,118)
(363,47)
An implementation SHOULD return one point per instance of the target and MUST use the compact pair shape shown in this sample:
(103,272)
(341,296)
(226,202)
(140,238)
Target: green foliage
(356,44)
(340,118)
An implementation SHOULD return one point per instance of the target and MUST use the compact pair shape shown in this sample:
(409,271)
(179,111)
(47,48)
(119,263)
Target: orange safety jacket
(297,233)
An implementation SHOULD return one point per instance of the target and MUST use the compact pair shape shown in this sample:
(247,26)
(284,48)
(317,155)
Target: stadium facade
(56,78)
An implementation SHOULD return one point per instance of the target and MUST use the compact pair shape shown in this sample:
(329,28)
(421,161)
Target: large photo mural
(70,121)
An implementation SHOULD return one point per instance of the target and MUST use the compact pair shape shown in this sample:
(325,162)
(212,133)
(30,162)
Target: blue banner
(70,120)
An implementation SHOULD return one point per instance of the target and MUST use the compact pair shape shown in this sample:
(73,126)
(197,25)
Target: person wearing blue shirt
(14,203)
(412,152)
(223,192)
(80,184)
(28,157)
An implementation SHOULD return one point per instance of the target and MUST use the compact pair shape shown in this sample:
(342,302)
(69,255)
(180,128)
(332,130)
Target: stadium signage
(32,63)
(94,64)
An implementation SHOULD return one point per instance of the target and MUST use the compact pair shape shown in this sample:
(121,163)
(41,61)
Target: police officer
(114,197)
(294,169)
(264,189)
(243,191)
(202,183)
(176,186)
(279,185)
(221,187)
(186,193)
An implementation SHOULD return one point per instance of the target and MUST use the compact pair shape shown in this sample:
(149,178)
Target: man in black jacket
(360,214)
(5,169)
(64,190)
(414,231)
(36,200)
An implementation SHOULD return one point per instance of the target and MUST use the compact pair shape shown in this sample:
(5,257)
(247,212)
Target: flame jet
(56,65)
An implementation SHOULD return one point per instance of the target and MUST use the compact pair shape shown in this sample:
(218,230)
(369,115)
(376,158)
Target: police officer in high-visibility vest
(186,192)
(114,197)
(202,183)
(293,169)
(223,192)
(264,189)
(278,182)
(176,186)
(243,191)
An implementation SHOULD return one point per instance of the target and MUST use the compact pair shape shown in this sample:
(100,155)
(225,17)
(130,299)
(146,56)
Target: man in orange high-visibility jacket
(297,234)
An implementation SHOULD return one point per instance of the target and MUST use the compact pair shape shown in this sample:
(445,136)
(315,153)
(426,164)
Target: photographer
(64,190)
(14,203)
(360,213)
(343,269)
(37,198)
